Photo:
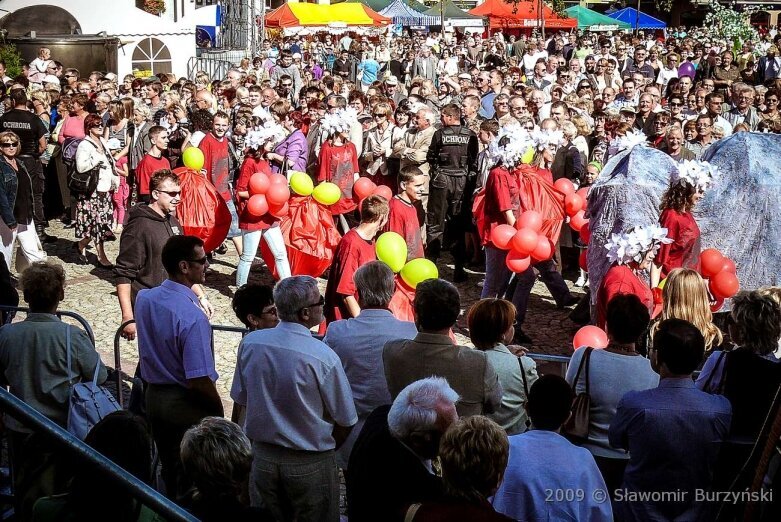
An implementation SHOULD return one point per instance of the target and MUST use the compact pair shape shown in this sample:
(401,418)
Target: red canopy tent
(524,14)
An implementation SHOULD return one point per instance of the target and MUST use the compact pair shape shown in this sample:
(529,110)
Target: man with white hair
(413,148)
(390,466)
(358,342)
(299,408)
(425,65)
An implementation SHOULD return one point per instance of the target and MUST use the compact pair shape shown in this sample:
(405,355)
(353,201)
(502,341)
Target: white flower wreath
(632,246)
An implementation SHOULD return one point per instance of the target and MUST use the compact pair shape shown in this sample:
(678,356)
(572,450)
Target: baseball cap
(391,80)
(628,108)
(464,76)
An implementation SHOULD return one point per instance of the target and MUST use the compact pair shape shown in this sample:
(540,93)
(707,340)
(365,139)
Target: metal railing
(31,418)
(60,313)
(215,68)
(561,360)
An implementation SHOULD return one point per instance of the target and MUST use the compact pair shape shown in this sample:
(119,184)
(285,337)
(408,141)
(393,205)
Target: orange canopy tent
(307,15)
(524,14)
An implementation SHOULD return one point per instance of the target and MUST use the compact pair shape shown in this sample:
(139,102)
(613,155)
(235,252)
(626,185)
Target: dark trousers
(35,168)
(172,410)
(497,281)
(612,471)
(446,194)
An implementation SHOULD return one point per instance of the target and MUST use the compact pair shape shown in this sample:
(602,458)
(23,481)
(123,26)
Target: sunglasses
(320,302)
(171,193)
(9,144)
(379,114)
(201,261)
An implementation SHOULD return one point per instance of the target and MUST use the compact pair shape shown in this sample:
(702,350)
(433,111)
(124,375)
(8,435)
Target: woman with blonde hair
(686,297)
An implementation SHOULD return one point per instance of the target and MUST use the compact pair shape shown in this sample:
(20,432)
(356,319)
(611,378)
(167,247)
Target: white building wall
(131,25)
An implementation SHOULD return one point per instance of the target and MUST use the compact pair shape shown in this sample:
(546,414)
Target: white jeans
(29,244)
(250,242)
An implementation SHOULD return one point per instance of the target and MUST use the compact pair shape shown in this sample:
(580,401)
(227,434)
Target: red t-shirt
(216,161)
(502,193)
(352,252)
(246,220)
(620,279)
(403,219)
(338,164)
(684,251)
(148,166)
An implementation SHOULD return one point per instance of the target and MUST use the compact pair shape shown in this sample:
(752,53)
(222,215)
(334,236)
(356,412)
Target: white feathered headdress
(698,174)
(339,121)
(509,146)
(632,139)
(259,136)
(632,246)
(544,138)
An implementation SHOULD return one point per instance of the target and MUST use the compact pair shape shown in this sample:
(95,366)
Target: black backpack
(83,183)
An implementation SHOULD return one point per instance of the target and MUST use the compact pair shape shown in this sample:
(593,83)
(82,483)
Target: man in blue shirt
(672,432)
(174,345)
(358,342)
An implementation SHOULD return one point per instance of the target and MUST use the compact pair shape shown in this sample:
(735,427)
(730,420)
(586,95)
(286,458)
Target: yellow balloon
(662,283)
(192,157)
(419,270)
(528,156)
(392,250)
(327,193)
(301,183)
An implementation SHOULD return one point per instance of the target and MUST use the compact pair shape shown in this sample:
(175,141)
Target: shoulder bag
(89,402)
(83,183)
(525,390)
(576,427)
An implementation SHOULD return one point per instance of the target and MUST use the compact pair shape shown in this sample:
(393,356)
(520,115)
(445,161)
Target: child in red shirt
(338,163)
(403,216)
(354,250)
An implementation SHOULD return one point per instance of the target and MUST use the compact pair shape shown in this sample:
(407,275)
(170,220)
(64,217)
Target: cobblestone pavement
(90,293)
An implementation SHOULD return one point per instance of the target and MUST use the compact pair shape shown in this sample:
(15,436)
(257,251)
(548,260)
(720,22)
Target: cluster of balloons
(590,335)
(575,202)
(365,187)
(192,157)
(722,275)
(325,193)
(268,194)
(525,243)
(391,249)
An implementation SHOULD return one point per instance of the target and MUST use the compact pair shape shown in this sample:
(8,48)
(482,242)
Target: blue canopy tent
(402,14)
(630,16)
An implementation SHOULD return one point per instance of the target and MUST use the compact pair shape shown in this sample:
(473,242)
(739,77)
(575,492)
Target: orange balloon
(524,241)
(278,179)
(529,219)
(564,186)
(577,221)
(543,250)
(257,205)
(259,183)
(729,266)
(516,262)
(501,236)
(279,211)
(363,187)
(583,193)
(591,336)
(724,284)
(573,204)
(711,262)
(277,194)
(382,190)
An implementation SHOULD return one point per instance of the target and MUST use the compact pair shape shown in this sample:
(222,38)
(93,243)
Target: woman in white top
(379,144)
(94,212)
(447,64)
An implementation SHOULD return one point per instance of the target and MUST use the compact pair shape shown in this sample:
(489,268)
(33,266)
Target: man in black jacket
(139,264)
(390,464)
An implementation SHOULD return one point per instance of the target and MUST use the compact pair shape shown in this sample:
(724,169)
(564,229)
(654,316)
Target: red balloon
(590,335)
(724,284)
(585,233)
(543,250)
(583,193)
(524,241)
(577,221)
(259,183)
(277,194)
(278,179)
(729,266)
(501,236)
(516,262)
(715,307)
(257,205)
(564,186)
(573,204)
(363,187)
(279,211)
(711,262)
(382,190)
(529,219)
(583,259)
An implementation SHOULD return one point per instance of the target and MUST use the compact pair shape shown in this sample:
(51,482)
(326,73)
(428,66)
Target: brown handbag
(576,427)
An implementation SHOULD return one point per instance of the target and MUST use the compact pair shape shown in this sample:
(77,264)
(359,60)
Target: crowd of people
(466,134)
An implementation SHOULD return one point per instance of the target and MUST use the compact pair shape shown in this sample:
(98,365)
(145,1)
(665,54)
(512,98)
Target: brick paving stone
(90,293)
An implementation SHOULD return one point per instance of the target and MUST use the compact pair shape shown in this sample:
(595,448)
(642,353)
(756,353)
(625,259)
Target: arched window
(151,54)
